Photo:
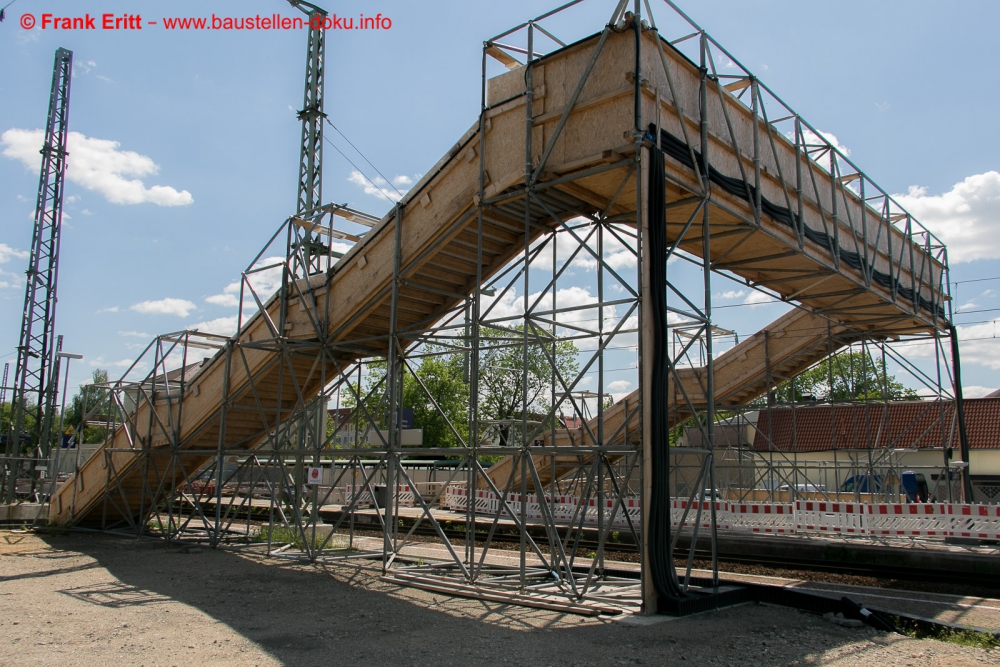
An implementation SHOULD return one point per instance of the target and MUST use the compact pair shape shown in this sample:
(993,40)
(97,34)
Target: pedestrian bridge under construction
(627,137)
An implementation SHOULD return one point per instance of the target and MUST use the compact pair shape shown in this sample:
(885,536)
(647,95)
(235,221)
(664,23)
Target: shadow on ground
(315,615)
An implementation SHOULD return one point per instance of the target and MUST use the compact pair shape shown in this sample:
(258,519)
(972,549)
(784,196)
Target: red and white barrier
(803,516)
(530,506)
(363,495)
(765,518)
(486,502)
(628,509)
(722,518)
(406,496)
(910,520)
(818,516)
(975,521)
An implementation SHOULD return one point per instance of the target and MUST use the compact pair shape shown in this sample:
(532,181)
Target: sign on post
(315,476)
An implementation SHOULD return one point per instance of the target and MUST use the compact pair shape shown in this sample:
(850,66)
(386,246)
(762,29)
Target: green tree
(504,389)
(6,423)
(442,373)
(89,398)
(443,376)
(848,376)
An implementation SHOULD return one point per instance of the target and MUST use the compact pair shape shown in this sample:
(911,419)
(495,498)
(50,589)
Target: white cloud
(83,67)
(14,278)
(135,334)
(756,298)
(978,344)
(989,293)
(99,165)
(619,385)
(7,253)
(814,142)
(617,255)
(811,138)
(227,300)
(101,362)
(264,282)
(966,218)
(379,187)
(732,294)
(977,391)
(112,309)
(168,306)
(224,326)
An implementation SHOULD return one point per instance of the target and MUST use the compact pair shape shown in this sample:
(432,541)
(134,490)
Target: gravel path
(85,599)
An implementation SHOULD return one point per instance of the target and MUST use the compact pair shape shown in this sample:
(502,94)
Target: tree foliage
(505,391)
(87,399)
(442,375)
(848,376)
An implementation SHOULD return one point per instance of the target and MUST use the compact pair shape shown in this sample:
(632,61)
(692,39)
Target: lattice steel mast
(310,190)
(36,349)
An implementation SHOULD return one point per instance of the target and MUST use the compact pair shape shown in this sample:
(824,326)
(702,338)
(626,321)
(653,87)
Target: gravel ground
(88,599)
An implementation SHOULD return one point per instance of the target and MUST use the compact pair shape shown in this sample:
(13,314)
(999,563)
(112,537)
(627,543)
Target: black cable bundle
(678,150)
(660,557)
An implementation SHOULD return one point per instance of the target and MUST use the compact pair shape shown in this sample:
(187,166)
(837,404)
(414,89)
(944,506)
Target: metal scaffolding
(554,278)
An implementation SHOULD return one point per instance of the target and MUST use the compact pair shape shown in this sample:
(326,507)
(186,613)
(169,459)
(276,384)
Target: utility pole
(36,349)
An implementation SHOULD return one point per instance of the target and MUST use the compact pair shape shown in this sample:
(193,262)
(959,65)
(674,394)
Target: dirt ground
(89,599)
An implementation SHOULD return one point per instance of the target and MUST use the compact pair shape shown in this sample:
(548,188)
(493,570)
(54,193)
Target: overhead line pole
(35,350)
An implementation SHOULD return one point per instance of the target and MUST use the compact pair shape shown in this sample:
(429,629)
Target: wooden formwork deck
(589,163)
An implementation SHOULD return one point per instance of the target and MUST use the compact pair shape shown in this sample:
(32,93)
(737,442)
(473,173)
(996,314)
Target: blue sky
(205,120)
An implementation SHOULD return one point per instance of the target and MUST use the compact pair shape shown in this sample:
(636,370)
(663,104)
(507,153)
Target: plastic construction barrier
(629,507)
(909,520)
(975,521)
(562,507)
(765,518)
(819,516)
(404,495)
(455,498)
(531,508)
(803,516)
(722,514)
(486,502)
(364,496)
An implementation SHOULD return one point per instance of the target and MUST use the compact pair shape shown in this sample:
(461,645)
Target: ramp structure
(627,142)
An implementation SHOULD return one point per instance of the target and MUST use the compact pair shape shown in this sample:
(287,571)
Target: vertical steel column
(35,349)
(963,436)
(644,261)
(474,440)
(223,411)
(394,387)
(755,109)
(528,169)
(707,311)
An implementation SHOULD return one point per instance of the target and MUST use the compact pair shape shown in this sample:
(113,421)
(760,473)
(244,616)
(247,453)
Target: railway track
(777,565)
